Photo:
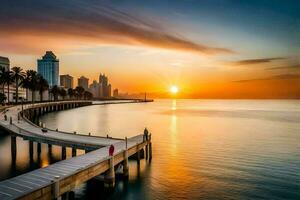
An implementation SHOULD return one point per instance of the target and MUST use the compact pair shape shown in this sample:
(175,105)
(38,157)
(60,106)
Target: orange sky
(220,57)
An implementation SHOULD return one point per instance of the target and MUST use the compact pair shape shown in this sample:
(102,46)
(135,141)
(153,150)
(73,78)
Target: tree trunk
(8,93)
(17,90)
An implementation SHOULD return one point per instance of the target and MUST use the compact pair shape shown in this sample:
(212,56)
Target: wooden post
(63,153)
(126,166)
(138,155)
(74,152)
(109,178)
(10,120)
(55,187)
(71,195)
(13,147)
(31,150)
(65,196)
(39,148)
(150,148)
(147,152)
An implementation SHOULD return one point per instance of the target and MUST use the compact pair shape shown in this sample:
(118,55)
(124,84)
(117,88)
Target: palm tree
(79,90)
(2,82)
(18,75)
(31,82)
(87,95)
(71,93)
(42,85)
(8,79)
(62,93)
(2,98)
(55,91)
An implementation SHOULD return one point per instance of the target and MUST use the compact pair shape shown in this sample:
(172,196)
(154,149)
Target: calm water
(202,149)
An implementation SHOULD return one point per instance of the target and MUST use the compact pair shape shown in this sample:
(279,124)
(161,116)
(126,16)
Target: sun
(174,89)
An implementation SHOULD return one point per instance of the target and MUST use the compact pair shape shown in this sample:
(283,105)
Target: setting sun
(174,89)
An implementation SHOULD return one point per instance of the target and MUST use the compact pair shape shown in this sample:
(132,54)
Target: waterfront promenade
(61,178)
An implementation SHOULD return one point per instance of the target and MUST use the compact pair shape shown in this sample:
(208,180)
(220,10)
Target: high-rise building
(48,67)
(116,93)
(94,89)
(100,90)
(103,80)
(106,87)
(4,62)
(83,82)
(109,90)
(66,81)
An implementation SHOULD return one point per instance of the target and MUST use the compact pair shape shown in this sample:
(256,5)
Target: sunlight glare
(174,89)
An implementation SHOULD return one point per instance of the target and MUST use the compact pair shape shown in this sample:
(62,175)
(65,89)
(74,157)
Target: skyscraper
(4,62)
(48,67)
(66,81)
(106,87)
(83,82)
(109,90)
(95,89)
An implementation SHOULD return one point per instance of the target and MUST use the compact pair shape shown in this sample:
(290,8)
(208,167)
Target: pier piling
(138,155)
(13,147)
(31,150)
(39,148)
(125,163)
(109,178)
(55,188)
(74,152)
(63,153)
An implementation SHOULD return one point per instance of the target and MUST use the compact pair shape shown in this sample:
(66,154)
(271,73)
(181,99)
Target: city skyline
(207,52)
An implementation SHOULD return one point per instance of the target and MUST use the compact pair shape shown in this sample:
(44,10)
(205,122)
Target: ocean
(202,149)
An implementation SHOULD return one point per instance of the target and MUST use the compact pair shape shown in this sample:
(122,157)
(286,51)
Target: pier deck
(62,177)
(72,172)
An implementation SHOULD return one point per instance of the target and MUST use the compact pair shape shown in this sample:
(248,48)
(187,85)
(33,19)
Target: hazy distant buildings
(4,62)
(101,89)
(66,81)
(106,87)
(83,82)
(108,90)
(116,93)
(95,89)
(48,67)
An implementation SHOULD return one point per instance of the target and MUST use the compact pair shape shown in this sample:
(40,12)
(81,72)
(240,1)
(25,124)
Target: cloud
(254,61)
(275,77)
(296,66)
(75,22)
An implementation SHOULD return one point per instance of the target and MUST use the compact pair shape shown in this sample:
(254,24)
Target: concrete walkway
(27,130)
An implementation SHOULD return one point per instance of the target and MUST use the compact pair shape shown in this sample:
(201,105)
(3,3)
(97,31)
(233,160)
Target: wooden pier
(63,177)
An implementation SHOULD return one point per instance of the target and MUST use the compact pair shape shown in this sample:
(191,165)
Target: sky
(209,49)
